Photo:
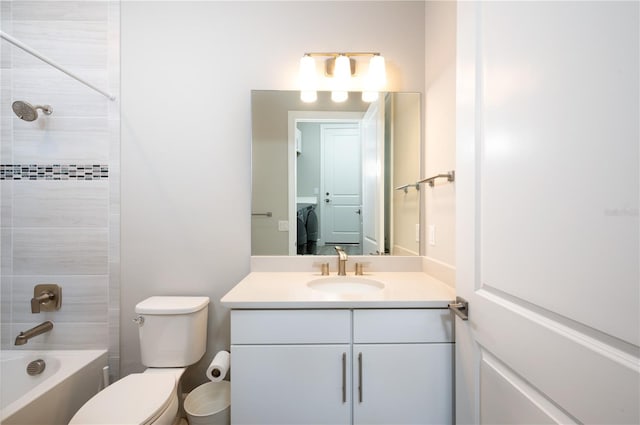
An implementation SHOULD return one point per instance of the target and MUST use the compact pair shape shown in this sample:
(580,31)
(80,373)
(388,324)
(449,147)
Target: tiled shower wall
(60,213)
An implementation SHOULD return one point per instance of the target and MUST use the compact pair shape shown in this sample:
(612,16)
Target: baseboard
(399,250)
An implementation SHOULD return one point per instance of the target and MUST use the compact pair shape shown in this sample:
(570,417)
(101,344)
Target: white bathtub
(70,379)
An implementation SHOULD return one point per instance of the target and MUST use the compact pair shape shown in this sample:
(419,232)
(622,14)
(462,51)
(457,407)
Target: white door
(340,183)
(547,190)
(373,179)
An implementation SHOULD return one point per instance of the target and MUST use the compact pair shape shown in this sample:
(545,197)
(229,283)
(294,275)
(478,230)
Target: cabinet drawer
(290,326)
(402,325)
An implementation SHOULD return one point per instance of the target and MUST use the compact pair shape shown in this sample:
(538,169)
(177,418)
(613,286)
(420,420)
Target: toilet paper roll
(218,367)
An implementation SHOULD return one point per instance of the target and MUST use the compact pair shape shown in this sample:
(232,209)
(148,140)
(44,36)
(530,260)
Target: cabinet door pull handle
(360,377)
(344,377)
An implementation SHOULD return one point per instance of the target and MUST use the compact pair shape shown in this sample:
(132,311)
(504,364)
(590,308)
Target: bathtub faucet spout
(25,336)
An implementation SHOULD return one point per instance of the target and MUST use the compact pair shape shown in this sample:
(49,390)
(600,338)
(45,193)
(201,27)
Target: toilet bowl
(172,332)
(139,398)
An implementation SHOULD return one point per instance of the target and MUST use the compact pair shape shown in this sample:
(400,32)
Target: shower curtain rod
(45,59)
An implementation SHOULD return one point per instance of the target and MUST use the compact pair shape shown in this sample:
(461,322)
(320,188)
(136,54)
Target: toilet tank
(172,330)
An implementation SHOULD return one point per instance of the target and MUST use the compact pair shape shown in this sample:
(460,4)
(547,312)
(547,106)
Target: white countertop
(265,290)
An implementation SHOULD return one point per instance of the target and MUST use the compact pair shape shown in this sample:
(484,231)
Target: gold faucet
(342,261)
(25,336)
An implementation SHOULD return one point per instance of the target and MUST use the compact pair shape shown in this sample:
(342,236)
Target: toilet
(173,335)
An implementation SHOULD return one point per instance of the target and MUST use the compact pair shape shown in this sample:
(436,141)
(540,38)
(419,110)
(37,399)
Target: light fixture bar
(340,67)
(336,54)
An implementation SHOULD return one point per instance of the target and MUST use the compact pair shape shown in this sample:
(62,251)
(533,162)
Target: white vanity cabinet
(403,371)
(290,367)
(341,366)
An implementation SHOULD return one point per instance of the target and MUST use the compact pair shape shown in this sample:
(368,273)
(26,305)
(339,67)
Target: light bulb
(377,72)
(308,79)
(339,96)
(370,96)
(341,77)
(375,80)
(308,96)
(342,70)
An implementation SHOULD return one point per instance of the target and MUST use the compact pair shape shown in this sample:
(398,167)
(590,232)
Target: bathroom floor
(350,249)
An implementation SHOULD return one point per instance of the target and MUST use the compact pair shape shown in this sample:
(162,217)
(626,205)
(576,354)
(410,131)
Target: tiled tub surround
(59,175)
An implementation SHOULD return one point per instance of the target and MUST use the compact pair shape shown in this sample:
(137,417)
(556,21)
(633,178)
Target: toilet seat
(139,398)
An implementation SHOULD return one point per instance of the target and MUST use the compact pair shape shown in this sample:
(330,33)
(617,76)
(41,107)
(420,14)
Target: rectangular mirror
(327,174)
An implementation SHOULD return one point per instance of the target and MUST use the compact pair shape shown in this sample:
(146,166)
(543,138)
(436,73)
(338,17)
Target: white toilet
(173,335)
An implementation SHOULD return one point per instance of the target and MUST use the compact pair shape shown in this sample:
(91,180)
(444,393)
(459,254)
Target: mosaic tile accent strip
(53,172)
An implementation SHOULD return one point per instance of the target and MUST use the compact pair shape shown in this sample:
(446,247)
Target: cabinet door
(291,384)
(402,384)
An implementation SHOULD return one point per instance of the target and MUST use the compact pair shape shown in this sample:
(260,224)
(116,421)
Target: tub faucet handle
(46,297)
(40,299)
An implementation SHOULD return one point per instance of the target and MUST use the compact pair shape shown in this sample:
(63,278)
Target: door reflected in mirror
(325,174)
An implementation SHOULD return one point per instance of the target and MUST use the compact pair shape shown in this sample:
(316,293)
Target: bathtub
(71,377)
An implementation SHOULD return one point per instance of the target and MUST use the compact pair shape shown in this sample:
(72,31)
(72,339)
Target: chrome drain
(36,367)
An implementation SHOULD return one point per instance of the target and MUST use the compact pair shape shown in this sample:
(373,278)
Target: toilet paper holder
(219,366)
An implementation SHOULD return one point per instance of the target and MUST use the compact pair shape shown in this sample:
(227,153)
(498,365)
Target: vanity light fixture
(340,67)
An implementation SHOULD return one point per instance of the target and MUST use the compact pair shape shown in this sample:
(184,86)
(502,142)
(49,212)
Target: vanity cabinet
(403,371)
(342,366)
(290,367)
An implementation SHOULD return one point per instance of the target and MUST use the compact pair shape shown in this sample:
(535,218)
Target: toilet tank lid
(171,305)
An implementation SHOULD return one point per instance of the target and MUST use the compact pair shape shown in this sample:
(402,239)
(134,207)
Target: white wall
(187,72)
(440,138)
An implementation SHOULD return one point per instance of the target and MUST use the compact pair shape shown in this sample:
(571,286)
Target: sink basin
(346,285)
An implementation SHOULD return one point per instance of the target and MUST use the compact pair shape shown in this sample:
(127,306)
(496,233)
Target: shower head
(27,112)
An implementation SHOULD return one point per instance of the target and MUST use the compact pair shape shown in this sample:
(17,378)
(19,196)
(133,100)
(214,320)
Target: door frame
(306,116)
